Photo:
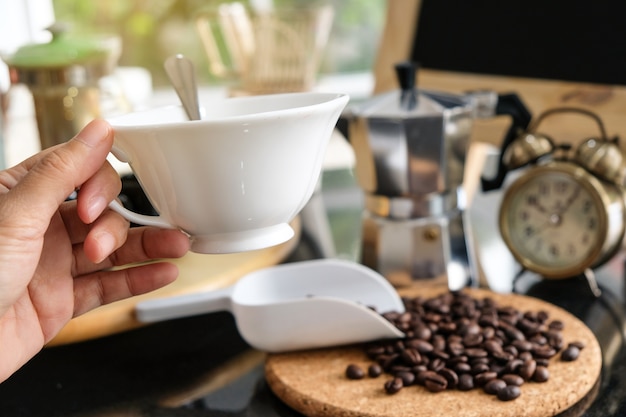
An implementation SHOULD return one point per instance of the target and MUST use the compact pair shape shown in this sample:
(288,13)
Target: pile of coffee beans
(455,341)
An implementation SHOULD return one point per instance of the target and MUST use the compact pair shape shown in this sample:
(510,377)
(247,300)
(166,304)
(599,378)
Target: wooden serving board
(197,272)
(314,382)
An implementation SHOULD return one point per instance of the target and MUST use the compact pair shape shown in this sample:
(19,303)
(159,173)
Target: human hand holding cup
(235,179)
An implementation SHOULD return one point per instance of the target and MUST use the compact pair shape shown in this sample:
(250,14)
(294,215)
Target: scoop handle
(160,309)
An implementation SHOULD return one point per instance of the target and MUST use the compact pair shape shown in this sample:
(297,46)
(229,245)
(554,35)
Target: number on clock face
(553,221)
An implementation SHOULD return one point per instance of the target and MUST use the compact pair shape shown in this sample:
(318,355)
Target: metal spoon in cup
(295,306)
(181,73)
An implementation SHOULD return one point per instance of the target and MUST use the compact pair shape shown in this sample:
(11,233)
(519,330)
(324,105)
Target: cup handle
(137,218)
(131,216)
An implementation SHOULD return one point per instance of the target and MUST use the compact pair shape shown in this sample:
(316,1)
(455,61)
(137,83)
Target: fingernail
(95,207)
(106,244)
(93,133)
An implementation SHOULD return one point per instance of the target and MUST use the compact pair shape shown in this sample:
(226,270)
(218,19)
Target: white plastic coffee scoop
(295,306)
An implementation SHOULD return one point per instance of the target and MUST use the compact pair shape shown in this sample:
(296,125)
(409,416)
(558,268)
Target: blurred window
(151,30)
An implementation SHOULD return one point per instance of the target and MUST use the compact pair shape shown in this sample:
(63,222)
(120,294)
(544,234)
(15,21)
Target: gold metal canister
(63,77)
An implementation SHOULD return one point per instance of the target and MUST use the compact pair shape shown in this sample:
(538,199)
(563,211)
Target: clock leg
(516,277)
(593,284)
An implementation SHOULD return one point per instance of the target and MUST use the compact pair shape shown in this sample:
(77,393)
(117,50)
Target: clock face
(554,221)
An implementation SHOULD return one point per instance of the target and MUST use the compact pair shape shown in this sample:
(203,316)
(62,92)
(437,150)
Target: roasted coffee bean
(492,346)
(393,386)
(556,325)
(398,346)
(420,345)
(502,356)
(466,382)
(420,377)
(374,370)
(522,345)
(531,315)
(473,340)
(404,317)
(513,333)
(462,367)
(432,317)
(422,332)
(512,379)
(498,369)
(447,327)
(387,361)
(508,393)
(436,364)
(509,319)
(580,345)
(411,356)
(458,359)
(354,372)
(439,342)
(538,339)
(450,376)
(479,368)
(544,351)
(440,354)
(500,334)
(488,321)
(408,378)
(469,328)
(555,339)
(541,316)
(476,361)
(511,349)
(435,382)
(391,316)
(457,341)
(476,353)
(489,333)
(399,368)
(527,370)
(513,366)
(570,353)
(456,348)
(541,374)
(419,368)
(482,378)
(436,305)
(494,386)
(528,326)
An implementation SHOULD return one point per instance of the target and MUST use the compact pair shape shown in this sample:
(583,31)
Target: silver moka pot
(410,147)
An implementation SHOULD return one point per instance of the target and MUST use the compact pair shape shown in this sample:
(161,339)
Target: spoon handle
(185,305)
(183,77)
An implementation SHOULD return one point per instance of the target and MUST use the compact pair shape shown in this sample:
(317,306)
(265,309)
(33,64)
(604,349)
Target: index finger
(53,175)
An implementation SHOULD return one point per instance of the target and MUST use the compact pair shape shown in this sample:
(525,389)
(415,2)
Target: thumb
(53,177)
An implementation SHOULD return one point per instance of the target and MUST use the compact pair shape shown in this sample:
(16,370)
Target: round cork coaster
(314,382)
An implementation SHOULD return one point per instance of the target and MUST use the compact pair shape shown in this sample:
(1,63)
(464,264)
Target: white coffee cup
(235,179)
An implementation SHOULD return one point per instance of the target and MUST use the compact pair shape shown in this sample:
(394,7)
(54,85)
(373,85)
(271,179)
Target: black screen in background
(554,39)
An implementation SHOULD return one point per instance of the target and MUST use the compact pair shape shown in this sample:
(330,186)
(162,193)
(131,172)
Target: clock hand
(553,220)
(535,203)
(559,209)
(569,201)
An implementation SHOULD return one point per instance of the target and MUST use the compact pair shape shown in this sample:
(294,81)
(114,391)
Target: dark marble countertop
(200,366)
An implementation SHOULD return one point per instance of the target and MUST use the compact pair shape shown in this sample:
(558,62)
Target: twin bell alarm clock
(563,215)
